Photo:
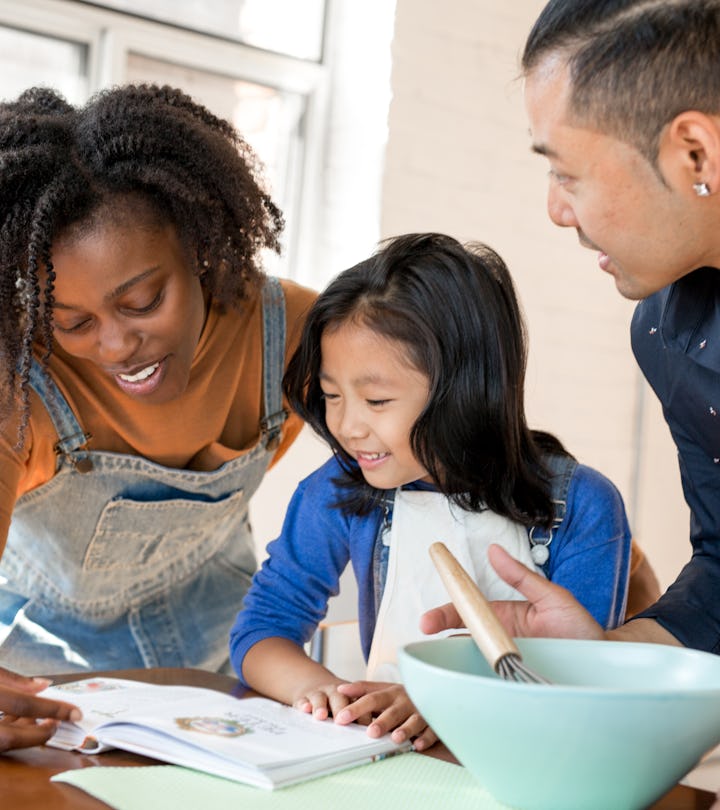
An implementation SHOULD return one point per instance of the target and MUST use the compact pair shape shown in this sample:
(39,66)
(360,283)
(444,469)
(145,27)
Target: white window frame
(110,36)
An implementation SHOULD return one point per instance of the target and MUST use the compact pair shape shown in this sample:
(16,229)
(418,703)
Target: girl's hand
(550,611)
(20,711)
(322,701)
(385,708)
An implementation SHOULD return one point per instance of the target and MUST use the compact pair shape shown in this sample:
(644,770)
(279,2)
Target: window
(313,105)
(253,22)
(78,48)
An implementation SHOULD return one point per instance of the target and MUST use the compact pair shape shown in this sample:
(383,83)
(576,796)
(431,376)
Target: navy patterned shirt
(676,340)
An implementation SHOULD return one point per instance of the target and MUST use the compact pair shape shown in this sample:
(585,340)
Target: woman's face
(127,300)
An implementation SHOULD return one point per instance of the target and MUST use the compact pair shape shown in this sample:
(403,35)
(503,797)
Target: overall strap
(274,414)
(562,469)
(381,549)
(71,437)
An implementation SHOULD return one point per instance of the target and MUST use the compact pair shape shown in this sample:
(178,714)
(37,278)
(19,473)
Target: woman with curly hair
(142,349)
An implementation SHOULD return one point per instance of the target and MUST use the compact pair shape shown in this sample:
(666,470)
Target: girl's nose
(352,426)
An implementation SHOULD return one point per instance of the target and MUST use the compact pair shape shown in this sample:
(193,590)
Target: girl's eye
(327,396)
(377,403)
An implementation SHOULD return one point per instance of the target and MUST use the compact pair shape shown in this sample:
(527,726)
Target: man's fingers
(440,618)
(529,583)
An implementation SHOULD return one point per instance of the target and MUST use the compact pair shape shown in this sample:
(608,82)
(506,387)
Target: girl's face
(373,397)
(127,300)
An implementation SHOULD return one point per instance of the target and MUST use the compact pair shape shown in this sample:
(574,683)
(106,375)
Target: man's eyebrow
(119,290)
(542,149)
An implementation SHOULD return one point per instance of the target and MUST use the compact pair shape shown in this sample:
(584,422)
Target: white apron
(413,586)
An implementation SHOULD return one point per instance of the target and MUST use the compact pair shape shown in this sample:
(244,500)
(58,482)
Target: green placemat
(407,781)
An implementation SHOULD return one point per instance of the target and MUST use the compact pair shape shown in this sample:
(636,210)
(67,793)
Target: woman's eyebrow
(125,286)
(119,290)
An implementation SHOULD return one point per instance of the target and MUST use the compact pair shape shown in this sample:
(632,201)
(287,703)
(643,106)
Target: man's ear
(689,151)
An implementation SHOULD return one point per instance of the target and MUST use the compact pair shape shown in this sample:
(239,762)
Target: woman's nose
(116,343)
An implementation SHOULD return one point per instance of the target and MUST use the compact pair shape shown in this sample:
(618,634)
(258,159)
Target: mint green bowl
(621,724)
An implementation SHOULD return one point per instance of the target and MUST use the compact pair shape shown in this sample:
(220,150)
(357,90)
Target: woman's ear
(689,152)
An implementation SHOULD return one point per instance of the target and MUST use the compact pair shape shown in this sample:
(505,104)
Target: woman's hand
(550,611)
(385,708)
(27,720)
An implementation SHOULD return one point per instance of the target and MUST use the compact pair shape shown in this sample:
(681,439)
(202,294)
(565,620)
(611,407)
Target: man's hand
(550,611)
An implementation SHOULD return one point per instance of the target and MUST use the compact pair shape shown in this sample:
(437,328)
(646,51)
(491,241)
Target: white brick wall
(458,160)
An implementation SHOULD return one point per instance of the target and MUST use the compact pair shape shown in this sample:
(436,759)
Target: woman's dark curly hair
(139,147)
(454,310)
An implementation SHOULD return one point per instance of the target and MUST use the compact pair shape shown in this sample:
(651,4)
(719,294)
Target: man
(623,99)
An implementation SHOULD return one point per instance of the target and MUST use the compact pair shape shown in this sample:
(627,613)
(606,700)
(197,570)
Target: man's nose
(559,209)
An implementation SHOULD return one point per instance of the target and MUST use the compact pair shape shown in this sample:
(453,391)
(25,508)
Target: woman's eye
(147,307)
(75,327)
(377,403)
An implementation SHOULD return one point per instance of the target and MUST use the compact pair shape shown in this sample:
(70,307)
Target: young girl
(142,351)
(411,366)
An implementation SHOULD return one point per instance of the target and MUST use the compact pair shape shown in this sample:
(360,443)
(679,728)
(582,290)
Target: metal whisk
(499,649)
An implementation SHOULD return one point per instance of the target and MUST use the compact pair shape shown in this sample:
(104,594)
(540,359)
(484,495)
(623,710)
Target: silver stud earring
(701,189)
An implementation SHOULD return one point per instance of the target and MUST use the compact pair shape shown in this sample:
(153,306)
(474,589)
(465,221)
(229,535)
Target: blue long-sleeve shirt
(676,340)
(589,555)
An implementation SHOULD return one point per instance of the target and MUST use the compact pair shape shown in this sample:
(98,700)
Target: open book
(252,740)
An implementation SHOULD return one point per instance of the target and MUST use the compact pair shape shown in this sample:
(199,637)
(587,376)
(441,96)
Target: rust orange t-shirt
(216,419)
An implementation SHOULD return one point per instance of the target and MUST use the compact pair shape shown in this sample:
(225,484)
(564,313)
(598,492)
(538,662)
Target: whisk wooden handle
(474,609)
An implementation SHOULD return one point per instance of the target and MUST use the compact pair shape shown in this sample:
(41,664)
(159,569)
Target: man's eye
(560,179)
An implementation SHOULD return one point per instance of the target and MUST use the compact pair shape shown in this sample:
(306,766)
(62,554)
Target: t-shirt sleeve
(591,554)
(289,594)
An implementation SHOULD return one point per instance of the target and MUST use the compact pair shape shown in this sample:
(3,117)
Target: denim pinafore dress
(118,562)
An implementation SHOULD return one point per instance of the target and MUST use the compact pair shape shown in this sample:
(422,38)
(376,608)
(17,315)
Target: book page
(213,731)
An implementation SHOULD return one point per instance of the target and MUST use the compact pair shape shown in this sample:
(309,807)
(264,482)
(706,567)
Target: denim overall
(118,562)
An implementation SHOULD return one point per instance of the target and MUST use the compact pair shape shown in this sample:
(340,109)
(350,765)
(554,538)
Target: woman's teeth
(141,375)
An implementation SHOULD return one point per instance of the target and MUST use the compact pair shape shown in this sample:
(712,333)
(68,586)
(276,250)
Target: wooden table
(25,774)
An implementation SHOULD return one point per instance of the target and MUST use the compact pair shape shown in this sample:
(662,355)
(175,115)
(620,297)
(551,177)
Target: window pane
(31,59)
(254,22)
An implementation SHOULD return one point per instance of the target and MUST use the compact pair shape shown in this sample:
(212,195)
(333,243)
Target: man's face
(644,230)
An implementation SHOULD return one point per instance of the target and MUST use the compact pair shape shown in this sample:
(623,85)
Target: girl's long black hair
(454,310)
